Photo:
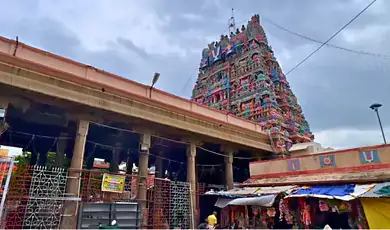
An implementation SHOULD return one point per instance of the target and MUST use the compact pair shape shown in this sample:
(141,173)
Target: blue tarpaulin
(335,190)
(340,192)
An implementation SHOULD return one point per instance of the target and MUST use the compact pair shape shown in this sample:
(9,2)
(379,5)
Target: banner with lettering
(113,183)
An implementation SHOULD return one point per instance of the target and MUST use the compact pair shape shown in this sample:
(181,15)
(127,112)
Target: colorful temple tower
(240,74)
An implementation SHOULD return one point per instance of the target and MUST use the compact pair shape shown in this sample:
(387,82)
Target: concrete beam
(53,87)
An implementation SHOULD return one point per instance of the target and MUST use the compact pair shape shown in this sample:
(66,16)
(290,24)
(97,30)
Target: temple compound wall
(363,164)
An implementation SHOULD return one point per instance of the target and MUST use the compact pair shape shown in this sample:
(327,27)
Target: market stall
(333,205)
(311,207)
(376,205)
(255,207)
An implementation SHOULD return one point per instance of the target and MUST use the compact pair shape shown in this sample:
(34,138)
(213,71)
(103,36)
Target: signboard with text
(113,183)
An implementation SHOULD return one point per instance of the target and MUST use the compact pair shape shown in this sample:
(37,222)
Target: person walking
(212,220)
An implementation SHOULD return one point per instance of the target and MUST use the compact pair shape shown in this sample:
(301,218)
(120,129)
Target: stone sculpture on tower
(240,74)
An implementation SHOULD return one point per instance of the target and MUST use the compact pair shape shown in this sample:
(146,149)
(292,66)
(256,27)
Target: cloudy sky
(136,38)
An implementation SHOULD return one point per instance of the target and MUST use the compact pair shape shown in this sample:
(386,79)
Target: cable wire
(329,39)
(320,42)
(172,140)
(33,136)
(223,155)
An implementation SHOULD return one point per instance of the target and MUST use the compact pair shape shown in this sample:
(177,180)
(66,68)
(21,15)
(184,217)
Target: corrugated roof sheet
(274,190)
(253,191)
(378,191)
(239,191)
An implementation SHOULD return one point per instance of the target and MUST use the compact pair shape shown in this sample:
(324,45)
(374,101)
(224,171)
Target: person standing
(212,220)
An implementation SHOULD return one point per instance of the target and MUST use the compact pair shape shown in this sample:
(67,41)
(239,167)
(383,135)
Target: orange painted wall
(343,160)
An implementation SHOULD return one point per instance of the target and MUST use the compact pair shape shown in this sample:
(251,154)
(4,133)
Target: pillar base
(70,218)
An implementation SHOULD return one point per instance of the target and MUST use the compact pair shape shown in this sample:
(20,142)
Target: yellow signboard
(113,183)
(4,152)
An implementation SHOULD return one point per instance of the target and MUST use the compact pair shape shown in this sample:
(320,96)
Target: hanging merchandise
(361,218)
(285,212)
(263,217)
(306,218)
(256,222)
(344,207)
(333,205)
(271,212)
(256,210)
(323,206)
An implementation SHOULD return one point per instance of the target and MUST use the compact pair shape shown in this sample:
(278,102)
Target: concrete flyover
(28,68)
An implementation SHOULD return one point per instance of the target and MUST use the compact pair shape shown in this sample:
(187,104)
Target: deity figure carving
(240,74)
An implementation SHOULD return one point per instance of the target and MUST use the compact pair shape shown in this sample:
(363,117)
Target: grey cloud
(338,96)
(334,87)
(44,33)
(133,48)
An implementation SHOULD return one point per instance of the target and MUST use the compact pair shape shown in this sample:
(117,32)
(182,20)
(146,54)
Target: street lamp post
(375,107)
(154,81)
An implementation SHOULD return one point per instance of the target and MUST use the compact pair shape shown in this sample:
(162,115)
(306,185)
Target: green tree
(23,160)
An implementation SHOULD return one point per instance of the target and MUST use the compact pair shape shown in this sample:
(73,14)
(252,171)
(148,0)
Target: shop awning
(264,201)
(377,212)
(239,192)
(340,192)
(222,202)
(379,190)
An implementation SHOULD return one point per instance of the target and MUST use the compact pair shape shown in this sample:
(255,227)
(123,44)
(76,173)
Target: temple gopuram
(240,74)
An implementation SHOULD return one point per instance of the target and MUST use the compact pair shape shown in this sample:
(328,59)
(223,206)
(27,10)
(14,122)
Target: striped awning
(379,190)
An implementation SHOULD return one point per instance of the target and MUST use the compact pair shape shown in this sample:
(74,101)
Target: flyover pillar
(191,179)
(145,143)
(69,220)
(229,168)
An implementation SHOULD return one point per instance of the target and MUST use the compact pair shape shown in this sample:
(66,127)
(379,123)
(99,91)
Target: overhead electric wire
(129,150)
(168,139)
(329,45)
(329,39)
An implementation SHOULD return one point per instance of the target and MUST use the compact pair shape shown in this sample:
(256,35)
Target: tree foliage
(25,158)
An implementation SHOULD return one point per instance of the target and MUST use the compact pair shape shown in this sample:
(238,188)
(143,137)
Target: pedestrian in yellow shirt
(212,220)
